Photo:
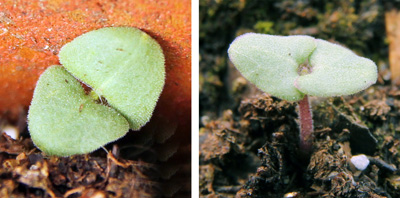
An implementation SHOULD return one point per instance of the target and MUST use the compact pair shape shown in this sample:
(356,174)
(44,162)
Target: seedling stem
(306,125)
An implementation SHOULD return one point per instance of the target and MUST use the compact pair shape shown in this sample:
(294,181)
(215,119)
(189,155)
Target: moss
(265,27)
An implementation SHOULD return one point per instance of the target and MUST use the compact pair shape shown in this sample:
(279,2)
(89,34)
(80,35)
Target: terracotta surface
(32,32)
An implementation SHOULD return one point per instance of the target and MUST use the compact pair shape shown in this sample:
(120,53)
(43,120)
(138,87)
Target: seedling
(125,66)
(293,67)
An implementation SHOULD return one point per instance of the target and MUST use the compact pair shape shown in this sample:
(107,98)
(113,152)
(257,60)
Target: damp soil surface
(253,151)
(249,140)
(134,166)
(31,174)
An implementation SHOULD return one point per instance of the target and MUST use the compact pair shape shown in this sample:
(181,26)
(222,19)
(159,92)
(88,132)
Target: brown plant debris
(253,152)
(25,172)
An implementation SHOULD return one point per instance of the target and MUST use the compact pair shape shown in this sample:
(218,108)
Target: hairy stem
(306,125)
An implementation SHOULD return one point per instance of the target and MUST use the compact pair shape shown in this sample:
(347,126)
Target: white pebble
(11,131)
(361,162)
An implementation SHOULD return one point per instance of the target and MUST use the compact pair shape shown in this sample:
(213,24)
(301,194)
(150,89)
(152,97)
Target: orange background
(32,33)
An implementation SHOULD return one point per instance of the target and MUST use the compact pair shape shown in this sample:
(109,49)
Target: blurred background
(356,24)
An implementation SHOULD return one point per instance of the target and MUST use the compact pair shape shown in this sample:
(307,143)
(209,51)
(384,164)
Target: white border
(195,98)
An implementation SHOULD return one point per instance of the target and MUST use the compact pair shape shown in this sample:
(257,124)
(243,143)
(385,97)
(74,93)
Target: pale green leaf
(64,121)
(336,71)
(271,62)
(122,64)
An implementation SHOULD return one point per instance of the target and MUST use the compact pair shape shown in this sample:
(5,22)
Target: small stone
(11,131)
(361,162)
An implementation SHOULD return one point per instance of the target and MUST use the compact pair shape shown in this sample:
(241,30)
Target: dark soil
(254,153)
(249,140)
(144,163)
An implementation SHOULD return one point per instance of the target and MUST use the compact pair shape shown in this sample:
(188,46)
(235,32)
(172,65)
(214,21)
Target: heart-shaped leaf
(64,121)
(271,62)
(123,64)
(274,64)
(336,71)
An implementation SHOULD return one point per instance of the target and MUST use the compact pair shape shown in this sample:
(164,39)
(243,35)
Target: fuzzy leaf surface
(123,64)
(271,62)
(336,71)
(64,121)
(275,65)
